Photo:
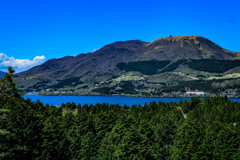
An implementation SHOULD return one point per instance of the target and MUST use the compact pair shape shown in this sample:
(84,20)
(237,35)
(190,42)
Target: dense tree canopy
(199,129)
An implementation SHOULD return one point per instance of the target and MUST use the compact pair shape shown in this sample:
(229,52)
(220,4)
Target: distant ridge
(2,73)
(170,49)
(104,58)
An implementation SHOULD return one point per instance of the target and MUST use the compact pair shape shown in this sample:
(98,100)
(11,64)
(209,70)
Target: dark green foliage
(71,82)
(83,87)
(24,125)
(146,140)
(40,85)
(103,90)
(188,141)
(201,76)
(226,143)
(173,66)
(185,106)
(30,130)
(210,137)
(140,86)
(146,94)
(205,85)
(103,131)
(212,65)
(127,88)
(127,138)
(7,87)
(126,85)
(164,135)
(145,67)
(207,65)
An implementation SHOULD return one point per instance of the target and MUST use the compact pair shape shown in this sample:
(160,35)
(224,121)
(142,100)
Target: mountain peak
(179,39)
(194,47)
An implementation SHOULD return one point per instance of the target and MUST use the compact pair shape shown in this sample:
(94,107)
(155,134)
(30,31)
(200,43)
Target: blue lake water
(58,100)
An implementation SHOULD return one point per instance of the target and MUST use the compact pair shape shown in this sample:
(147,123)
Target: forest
(207,65)
(198,129)
(213,65)
(145,67)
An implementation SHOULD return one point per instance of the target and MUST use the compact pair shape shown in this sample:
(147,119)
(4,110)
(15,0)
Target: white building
(195,92)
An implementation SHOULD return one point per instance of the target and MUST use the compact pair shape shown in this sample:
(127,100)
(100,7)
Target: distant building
(169,35)
(195,92)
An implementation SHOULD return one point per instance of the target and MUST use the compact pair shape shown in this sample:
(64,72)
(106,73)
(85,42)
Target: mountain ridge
(2,73)
(135,67)
(170,48)
(98,57)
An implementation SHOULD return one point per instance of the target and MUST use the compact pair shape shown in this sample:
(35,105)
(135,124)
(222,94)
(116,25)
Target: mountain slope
(2,74)
(170,48)
(102,59)
(144,64)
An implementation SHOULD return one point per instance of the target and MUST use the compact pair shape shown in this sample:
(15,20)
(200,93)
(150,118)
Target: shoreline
(191,96)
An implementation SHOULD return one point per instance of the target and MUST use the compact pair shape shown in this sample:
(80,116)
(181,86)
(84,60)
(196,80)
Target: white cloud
(20,64)
(4,70)
(3,57)
(95,49)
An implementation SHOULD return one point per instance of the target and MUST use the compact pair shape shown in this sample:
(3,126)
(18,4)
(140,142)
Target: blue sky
(33,31)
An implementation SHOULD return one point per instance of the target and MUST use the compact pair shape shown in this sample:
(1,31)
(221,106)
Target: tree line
(199,129)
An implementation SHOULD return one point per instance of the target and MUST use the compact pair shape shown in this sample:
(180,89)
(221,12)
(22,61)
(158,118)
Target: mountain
(194,47)
(134,67)
(102,59)
(170,48)
(2,73)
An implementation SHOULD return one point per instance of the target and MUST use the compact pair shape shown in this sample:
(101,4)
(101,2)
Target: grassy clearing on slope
(228,76)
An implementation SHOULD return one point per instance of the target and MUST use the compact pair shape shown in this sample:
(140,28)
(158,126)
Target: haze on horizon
(35,31)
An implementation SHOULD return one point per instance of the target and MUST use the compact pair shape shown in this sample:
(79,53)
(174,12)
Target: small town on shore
(188,93)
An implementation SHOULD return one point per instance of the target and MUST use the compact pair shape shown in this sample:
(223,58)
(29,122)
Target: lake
(58,100)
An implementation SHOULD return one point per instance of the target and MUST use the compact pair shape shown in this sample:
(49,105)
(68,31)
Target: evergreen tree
(226,144)
(8,89)
(54,144)
(107,147)
(128,139)
(210,137)
(164,134)
(146,140)
(188,141)
(24,125)
(185,107)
